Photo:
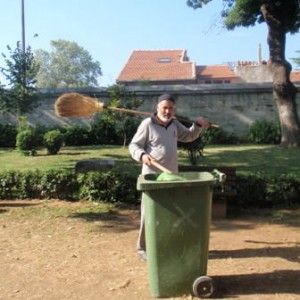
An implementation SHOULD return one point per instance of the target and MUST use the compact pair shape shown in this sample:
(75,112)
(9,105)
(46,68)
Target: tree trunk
(284,92)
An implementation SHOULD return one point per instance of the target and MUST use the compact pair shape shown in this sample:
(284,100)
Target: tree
(296,60)
(67,65)
(124,123)
(20,97)
(281,17)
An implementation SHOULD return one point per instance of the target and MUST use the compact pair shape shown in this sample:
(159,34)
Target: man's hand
(146,159)
(202,122)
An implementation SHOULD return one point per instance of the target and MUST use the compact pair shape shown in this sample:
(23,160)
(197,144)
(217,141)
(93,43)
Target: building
(216,74)
(162,67)
(165,67)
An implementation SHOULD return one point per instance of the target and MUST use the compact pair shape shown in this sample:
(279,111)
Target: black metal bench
(221,192)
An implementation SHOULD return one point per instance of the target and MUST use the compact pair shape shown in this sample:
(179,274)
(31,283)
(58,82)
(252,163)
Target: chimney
(259,54)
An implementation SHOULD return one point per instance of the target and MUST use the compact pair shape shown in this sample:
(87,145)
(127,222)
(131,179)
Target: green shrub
(39,132)
(28,185)
(218,136)
(26,142)
(59,185)
(261,191)
(8,185)
(264,132)
(108,187)
(253,191)
(208,136)
(194,150)
(53,141)
(77,136)
(8,135)
(105,133)
(66,185)
(284,190)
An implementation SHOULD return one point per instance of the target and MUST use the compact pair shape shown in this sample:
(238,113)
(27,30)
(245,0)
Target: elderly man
(156,139)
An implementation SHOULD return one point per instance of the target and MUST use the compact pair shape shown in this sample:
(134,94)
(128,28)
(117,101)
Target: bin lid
(185,179)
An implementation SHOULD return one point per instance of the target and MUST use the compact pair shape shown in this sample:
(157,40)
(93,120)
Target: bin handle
(159,166)
(221,177)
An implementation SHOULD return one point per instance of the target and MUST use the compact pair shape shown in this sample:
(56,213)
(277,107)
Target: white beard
(165,119)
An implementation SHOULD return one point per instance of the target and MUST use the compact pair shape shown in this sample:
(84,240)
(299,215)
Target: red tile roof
(158,65)
(174,66)
(215,71)
(295,76)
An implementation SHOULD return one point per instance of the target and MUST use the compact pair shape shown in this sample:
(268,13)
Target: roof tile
(157,65)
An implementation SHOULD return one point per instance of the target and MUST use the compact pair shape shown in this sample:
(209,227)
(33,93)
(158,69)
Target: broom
(79,105)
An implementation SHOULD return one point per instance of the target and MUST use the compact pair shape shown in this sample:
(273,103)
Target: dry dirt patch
(62,250)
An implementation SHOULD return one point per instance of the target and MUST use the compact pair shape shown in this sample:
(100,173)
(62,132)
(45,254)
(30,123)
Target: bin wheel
(203,287)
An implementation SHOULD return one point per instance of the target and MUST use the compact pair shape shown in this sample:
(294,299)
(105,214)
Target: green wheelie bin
(177,227)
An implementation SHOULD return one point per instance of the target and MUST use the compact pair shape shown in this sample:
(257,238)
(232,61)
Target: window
(164,60)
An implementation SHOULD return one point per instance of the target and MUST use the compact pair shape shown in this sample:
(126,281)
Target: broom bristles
(76,105)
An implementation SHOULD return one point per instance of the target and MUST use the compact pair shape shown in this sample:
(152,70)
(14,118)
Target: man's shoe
(142,254)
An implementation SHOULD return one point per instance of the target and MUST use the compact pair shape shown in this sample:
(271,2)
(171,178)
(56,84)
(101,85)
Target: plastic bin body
(177,226)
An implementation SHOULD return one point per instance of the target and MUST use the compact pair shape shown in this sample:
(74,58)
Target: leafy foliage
(264,132)
(253,191)
(53,141)
(281,17)
(76,135)
(104,132)
(211,135)
(248,13)
(219,136)
(296,60)
(261,191)
(20,73)
(26,142)
(67,65)
(8,135)
(194,150)
(125,124)
(66,185)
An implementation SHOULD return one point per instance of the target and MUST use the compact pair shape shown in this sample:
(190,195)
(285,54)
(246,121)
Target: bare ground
(92,256)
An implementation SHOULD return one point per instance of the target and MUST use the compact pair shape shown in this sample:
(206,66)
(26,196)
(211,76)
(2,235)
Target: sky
(111,29)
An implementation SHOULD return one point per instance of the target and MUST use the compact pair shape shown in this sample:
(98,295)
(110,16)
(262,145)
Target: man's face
(165,110)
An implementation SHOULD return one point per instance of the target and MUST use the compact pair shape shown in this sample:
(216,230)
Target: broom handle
(126,110)
(159,166)
(190,121)
(137,112)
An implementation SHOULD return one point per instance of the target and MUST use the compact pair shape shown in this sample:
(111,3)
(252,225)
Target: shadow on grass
(71,153)
(275,283)
(4,205)
(115,156)
(115,221)
(14,203)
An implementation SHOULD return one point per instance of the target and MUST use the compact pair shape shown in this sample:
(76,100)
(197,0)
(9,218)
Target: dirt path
(92,256)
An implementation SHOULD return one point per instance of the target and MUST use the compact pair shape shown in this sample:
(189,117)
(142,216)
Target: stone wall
(233,106)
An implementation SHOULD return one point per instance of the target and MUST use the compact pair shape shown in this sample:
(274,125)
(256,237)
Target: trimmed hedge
(262,191)
(67,185)
(254,191)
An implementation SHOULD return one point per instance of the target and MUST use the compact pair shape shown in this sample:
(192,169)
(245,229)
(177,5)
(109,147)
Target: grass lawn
(268,159)
(65,159)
